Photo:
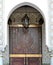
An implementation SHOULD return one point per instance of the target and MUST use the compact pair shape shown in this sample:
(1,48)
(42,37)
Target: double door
(25,46)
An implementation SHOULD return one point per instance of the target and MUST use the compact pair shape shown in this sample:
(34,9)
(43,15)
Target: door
(25,45)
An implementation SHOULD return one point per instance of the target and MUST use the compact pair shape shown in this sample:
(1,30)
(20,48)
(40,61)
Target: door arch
(25,41)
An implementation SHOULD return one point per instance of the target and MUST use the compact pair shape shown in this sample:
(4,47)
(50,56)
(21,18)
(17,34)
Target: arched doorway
(25,36)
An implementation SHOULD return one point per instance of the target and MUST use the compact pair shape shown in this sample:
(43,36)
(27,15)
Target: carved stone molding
(1,24)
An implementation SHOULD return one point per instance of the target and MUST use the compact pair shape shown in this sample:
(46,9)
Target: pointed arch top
(28,4)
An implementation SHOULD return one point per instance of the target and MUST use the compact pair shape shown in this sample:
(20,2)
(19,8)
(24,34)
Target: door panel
(16,61)
(25,41)
(34,61)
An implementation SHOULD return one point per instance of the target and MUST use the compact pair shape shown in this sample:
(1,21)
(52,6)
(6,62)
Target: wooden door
(25,46)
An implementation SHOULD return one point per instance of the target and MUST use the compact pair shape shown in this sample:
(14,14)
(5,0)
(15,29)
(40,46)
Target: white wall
(10,5)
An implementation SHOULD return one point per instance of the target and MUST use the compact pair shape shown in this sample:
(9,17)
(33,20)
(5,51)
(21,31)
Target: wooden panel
(25,41)
(16,61)
(25,46)
(25,61)
(34,61)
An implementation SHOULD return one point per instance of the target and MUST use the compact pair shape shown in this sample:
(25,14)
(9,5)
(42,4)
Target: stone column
(51,58)
(1,58)
(1,31)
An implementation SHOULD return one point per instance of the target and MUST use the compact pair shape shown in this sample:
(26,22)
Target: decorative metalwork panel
(34,16)
(25,61)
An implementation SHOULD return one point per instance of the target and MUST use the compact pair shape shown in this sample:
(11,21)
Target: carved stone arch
(29,4)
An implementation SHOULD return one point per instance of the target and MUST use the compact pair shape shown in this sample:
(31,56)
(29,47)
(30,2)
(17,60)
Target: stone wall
(6,55)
